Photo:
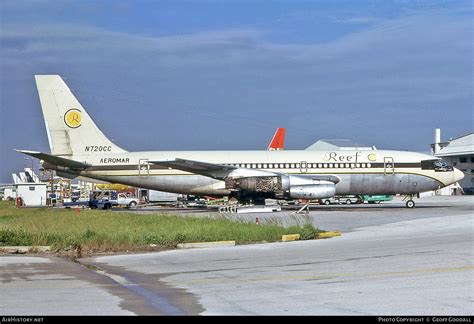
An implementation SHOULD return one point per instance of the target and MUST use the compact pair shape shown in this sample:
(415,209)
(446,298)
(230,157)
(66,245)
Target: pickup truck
(106,199)
(340,200)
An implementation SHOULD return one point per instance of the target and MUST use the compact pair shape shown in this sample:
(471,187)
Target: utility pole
(52,186)
(32,162)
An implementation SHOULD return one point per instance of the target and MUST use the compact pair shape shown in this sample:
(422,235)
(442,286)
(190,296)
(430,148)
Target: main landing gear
(410,203)
(305,208)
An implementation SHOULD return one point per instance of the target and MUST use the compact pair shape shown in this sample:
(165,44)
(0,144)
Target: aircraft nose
(458,175)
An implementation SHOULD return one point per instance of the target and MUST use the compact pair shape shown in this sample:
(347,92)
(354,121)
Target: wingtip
(26,151)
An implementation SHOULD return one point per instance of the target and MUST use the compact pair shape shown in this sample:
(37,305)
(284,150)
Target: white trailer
(33,194)
(9,192)
(161,196)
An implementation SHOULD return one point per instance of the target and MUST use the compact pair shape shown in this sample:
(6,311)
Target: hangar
(338,145)
(458,152)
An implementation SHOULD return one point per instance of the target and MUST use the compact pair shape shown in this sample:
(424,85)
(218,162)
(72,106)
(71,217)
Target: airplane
(278,141)
(80,149)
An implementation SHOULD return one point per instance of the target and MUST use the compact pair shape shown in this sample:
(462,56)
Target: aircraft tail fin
(278,140)
(71,131)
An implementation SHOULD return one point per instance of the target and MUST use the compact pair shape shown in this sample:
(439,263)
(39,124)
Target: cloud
(398,78)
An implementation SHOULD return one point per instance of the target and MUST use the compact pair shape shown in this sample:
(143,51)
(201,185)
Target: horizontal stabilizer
(56,160)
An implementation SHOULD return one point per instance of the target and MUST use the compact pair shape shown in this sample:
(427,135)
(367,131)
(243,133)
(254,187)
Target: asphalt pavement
(390,260)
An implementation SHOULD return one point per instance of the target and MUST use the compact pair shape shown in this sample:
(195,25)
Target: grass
(93,231)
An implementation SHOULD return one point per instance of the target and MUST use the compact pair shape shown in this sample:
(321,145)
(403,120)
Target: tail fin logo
(72,118)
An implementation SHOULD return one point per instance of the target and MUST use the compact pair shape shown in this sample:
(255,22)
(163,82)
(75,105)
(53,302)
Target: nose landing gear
(410,203)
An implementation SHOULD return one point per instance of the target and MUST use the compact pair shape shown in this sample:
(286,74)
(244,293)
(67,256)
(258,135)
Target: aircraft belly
(360,183)
(390,184)
(185,184)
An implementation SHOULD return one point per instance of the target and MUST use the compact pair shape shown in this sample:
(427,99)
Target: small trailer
(375,199)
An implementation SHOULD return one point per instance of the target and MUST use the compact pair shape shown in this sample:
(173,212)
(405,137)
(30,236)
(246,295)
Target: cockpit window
(437,165)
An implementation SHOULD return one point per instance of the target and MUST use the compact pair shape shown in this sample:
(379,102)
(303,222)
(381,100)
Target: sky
(223,75)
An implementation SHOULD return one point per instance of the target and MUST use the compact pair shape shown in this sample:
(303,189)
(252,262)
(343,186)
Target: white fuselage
(359,172)
(79,148)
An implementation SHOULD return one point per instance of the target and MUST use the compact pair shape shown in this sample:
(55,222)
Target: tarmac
(390,260)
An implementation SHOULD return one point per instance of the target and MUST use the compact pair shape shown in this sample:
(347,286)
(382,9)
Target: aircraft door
(304,166)
(388,166)
(143,167)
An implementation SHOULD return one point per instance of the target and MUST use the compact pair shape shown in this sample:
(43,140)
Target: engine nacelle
(322,190)
(284,187)
(269,185)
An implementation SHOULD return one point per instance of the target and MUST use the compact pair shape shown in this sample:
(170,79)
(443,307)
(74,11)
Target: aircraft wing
(212,170)
(56,160)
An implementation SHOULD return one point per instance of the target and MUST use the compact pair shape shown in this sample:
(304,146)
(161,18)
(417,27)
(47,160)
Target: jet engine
(285,186)
(322,190)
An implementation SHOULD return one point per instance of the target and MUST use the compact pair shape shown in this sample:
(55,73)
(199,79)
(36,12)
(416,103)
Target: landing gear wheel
(410,203)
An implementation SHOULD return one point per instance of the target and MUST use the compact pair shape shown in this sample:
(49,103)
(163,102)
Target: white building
(27,186)
(458,152)
(33,194)
(338,145)
(9,191)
